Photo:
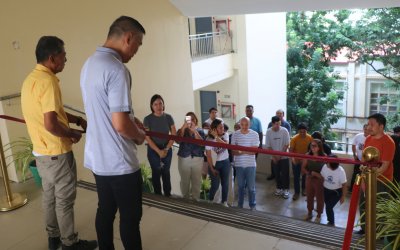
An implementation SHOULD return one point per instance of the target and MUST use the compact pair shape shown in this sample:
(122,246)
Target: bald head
(244,124)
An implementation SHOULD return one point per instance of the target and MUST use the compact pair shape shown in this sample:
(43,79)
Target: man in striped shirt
(245,162)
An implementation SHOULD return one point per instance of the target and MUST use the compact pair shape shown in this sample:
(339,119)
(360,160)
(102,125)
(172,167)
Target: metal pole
(370,211)
(11,201)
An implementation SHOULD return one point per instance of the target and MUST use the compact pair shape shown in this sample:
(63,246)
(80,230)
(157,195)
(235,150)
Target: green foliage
(23,154)
(376,38)
(388,215)
(313,41)
(205,188)
(146,176)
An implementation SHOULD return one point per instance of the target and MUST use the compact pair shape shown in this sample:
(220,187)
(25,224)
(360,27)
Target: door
(204,44)
(208,99)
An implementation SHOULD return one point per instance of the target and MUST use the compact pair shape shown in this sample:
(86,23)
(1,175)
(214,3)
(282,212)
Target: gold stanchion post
(10,201)
(370,210)
(370,154)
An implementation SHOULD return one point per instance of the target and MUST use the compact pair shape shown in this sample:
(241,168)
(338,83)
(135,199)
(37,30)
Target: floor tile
(217,236)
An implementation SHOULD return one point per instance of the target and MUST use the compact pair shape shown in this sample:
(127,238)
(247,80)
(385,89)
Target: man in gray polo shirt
(113,132)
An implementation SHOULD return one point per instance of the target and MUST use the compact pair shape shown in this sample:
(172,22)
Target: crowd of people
(113,133)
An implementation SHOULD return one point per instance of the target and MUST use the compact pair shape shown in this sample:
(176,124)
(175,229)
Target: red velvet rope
(250,149)
(231,147)
(356,188)
(351,217)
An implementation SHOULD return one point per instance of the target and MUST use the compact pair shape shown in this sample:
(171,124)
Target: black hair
(275,119)
(205,125)
(153,99)
(302,125)
(396,129)
(318,135)
(48,46)
(249,106)
(226,127)
(380,119)
(212,109)
(125,24)
(333,165)
(214,125)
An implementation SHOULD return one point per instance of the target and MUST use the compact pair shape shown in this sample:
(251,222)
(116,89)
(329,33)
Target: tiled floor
(266,201)
(23,228)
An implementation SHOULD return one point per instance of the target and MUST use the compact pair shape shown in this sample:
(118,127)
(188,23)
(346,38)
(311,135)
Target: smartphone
(188,119)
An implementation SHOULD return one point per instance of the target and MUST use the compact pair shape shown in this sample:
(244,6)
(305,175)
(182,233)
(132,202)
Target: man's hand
(162,153)
(214,171)
(83,124)
(75,135)
(139,123)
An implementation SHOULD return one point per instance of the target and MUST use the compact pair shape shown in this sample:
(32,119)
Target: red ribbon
(231,147)
(351,217)
(250,149)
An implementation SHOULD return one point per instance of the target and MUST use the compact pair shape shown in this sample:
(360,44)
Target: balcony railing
(210,44)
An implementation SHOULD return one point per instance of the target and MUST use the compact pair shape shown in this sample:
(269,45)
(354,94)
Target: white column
(266,64)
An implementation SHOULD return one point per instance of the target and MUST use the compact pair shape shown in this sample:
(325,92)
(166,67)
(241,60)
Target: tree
(313,40)
(376,38)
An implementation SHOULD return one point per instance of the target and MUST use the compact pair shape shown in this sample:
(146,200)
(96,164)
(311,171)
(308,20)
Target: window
(340,88)
(382,99)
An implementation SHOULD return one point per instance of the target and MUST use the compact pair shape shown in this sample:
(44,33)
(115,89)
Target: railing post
(11,201)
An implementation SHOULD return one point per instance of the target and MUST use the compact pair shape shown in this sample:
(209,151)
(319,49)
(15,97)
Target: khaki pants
(190,169)
(59,192)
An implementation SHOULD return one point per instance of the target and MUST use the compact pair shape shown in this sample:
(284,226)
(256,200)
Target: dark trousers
(122,192)
(331,197)
(356,171)
(223,168)
(281,170)
(296,178)
(160,169)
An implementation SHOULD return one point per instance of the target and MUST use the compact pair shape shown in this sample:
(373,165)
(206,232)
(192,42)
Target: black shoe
(54,243)
(82,245)
(271,177)
(360,232)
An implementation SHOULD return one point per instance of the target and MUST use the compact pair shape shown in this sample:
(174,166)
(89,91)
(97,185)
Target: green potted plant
(205,188)
(146,176)
(388,215)
(24,159)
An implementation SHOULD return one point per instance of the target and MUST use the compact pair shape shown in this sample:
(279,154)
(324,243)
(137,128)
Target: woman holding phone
(220,171)
(190,157)
(314,185)
(159,152)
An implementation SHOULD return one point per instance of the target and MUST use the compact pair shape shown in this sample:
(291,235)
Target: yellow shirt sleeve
(50,98)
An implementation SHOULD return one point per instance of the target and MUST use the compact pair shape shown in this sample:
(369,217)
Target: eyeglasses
(314,145)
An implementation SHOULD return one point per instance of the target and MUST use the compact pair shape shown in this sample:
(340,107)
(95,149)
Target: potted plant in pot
(24,159)
(388,215)
(146,176)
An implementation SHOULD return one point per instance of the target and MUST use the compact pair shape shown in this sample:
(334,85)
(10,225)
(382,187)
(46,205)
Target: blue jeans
(246,176)
(296,178)
(160,172)
(223,168)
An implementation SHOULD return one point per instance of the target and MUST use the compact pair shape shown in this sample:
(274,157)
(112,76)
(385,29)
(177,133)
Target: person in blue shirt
(255,123)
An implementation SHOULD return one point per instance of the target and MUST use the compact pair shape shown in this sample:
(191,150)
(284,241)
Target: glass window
(382,99)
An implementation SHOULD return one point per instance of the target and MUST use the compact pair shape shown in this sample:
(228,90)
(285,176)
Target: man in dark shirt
(396,159)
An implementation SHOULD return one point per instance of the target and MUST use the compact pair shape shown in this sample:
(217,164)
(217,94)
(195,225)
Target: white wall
(211,70)
(162,65)
(266,64)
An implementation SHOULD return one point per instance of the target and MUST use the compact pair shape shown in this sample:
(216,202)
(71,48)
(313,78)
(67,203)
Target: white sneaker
(278,192)
(286,194)
(225,204)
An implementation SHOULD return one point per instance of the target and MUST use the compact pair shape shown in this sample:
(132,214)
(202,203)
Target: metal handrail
(16,95)
(210,44)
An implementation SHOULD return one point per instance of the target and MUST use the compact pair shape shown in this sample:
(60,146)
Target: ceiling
(198,8)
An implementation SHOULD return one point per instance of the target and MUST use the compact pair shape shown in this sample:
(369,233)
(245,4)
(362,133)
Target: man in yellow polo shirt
(299,144)
(52,138)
